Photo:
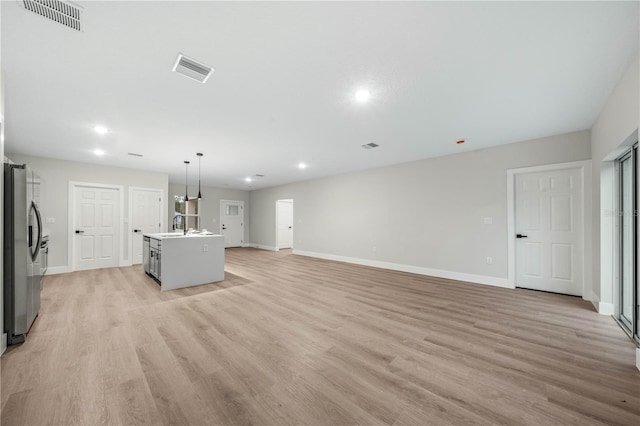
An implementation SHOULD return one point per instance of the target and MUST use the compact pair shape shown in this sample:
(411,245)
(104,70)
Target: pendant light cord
(186,177)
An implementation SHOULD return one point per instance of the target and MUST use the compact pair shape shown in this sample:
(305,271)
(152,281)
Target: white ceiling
(286,73)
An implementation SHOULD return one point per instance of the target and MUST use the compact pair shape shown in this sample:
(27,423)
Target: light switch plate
(50,220)
(488,221)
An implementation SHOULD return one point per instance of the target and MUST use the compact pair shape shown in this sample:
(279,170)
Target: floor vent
(193,69)
(370,145)
(58,11)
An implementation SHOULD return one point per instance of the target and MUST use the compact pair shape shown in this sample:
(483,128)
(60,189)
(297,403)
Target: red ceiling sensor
(460,141)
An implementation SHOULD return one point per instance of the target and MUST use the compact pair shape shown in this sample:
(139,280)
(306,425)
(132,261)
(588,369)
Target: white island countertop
(189,260)
(166,235)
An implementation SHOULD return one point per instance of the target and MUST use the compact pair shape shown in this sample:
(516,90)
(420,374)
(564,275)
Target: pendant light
(186,170)
(199,154)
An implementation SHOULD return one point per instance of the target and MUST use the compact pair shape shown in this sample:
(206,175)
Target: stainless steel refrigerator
(22,239)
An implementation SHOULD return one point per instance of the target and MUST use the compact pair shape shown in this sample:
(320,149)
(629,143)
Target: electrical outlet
(205,247)
(489,260)
(374,248)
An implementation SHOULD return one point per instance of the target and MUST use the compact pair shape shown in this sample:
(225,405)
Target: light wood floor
(292,340)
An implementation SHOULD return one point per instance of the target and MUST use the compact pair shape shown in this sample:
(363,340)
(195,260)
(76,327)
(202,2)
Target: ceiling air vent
(192,68)
(370,145)
(67,14)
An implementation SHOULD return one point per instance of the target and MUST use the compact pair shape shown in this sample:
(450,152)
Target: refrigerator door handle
(36,251)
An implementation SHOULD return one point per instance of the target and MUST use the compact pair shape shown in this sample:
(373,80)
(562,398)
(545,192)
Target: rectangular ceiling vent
(370,145)
(65,13)
(193,69)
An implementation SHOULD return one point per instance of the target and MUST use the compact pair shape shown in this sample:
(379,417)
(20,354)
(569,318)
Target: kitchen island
(176,261)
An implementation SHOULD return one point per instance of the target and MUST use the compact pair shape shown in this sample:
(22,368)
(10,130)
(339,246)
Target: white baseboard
(53,270)
(602,308)
(638,358)
(3,343)
(459,276)
(262,247)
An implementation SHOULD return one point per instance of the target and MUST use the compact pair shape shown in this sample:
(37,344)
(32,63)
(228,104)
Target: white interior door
(97,226)
(548,223)
(284,214)
(145,211)
(232,222)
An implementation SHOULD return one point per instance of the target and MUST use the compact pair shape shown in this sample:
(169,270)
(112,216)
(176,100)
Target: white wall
(428,215)
(611,134)
(56,175)
(3,336)
(210,205)
(615,129)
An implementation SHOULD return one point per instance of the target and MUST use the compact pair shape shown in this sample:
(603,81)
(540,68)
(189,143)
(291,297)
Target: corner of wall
(601,308)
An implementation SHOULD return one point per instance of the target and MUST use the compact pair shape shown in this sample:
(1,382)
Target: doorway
(94,228)
(628,300)
(284,224)
(145,213)
(548,227)
(232,222)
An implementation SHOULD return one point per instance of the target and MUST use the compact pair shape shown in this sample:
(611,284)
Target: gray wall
(617,121)
(427,214)
(210,205)
(3,336)
(56,175)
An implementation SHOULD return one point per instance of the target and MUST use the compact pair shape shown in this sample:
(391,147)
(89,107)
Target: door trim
(287,200)
(71,216)
(243,239)
(585,172)
(163,208)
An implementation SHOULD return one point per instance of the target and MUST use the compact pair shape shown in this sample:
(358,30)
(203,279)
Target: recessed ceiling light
(98,152)
(101,130)
(302,166)
(247,179)
(363,95)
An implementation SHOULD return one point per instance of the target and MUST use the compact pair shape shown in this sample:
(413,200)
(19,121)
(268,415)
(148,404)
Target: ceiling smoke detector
(193,69)
(370,145)
(62,12)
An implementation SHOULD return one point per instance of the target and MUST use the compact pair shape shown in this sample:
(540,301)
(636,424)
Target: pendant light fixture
(186,171)
(199,154)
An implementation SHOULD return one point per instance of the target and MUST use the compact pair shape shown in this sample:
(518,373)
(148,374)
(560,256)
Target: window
(188,212)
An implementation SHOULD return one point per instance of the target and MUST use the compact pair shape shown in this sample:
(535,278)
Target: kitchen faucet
(174,223)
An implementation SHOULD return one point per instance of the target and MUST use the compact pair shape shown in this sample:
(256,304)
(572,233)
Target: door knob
(79,232)
(521,236)
(136,230)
